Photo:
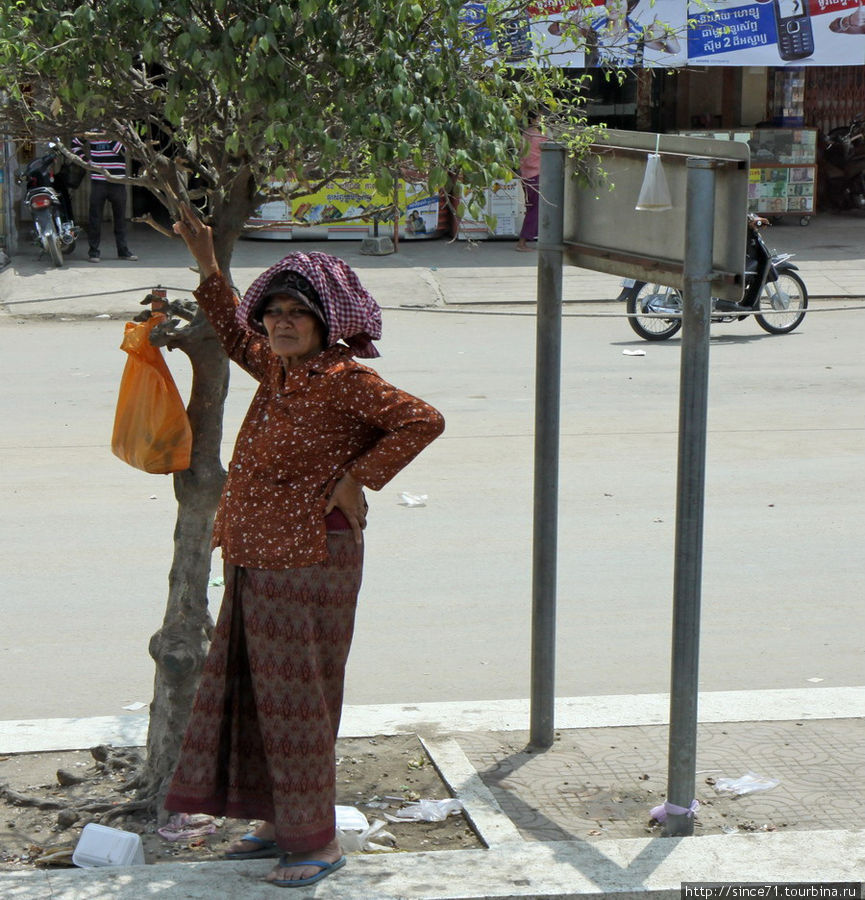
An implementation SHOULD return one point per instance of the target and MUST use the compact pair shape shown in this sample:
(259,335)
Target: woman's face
(295,333)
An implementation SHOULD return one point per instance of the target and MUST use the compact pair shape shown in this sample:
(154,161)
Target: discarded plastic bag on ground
(362,842)
(746,784)
(660,813)
(406,499)
(428,810)
(184,827)
(151,428)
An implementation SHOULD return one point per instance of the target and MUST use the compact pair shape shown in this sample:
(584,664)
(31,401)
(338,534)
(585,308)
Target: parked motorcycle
(774,293)
(842,167)
(48,198)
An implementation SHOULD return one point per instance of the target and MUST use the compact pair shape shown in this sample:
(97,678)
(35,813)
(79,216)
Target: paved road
(446,609)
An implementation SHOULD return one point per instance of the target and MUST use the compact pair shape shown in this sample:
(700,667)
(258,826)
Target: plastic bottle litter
(428,810)
(746,784)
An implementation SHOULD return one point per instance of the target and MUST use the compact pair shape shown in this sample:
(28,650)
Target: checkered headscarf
(351,312)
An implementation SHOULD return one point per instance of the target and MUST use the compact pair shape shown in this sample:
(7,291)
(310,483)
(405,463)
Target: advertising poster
(777,33)
(504,200)
(668,33)
(332,213)
(567,34)
(621,33)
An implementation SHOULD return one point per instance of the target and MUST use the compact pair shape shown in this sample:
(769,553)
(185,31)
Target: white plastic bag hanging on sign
(654,193)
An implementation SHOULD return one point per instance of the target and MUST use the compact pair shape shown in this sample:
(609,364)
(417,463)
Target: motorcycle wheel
(49,238)
(784,302)
(652,327)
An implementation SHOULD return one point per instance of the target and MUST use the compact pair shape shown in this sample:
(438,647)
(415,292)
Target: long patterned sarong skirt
(261,735)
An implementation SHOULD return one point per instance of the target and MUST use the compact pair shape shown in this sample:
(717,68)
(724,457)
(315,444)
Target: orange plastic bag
(151,428)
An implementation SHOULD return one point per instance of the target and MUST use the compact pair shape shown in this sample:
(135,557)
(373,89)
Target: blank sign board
(604,232)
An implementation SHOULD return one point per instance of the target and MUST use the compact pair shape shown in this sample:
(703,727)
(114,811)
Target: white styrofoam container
(100,845)
(350,818)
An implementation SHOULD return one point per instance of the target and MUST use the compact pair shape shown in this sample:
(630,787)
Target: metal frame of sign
(604,232)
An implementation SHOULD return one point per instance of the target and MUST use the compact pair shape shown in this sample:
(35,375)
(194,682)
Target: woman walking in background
(530,173)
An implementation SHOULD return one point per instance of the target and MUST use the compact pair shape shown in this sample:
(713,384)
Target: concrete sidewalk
(545,832)
(431,273)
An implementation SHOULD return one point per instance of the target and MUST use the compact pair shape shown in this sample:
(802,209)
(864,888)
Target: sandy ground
(369,770)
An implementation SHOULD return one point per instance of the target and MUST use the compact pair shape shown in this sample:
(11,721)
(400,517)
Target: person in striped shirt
(110,156)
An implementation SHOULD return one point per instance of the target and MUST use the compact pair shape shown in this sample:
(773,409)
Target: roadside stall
(783,174)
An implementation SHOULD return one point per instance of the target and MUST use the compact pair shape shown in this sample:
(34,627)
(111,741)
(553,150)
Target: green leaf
(384,182)
(436,178)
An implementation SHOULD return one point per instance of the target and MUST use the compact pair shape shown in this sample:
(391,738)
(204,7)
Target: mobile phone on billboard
(795,37)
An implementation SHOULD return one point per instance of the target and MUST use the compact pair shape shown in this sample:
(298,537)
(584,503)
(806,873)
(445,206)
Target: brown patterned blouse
(306,427)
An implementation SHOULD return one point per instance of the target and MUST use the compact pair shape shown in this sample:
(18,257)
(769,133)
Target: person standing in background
(111,156)
(530,174)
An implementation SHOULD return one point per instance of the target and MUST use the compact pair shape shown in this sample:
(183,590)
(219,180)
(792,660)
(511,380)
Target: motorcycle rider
(110,155)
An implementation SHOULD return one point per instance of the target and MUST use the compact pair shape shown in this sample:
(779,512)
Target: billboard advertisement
(333,212)
(777,33)
(671,33)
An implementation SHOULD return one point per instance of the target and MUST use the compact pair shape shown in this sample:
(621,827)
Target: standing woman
(530,175)
(260,743)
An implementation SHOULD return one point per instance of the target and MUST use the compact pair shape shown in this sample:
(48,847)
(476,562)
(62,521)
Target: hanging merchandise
(151,428)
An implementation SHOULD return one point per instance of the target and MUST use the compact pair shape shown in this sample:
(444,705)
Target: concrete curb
(561,870)
(437,719)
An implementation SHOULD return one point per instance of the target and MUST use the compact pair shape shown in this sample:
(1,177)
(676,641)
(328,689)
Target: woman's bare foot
(297,871)
(264,832)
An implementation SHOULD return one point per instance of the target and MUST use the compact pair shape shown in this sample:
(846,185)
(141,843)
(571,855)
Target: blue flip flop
(264,850)
(326,869)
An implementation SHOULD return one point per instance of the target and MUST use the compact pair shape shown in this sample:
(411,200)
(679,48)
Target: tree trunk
(180,646)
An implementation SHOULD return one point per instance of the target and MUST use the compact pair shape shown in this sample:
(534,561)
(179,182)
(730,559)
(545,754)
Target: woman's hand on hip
(347,496)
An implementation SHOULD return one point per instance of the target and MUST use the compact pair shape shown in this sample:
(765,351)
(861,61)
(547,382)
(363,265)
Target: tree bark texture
(180,646)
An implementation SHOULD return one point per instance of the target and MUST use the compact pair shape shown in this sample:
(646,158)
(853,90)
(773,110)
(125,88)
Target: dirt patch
(370,770)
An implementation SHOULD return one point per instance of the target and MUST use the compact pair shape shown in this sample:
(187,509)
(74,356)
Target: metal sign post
(702,254)
(688,565)
(547,392)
